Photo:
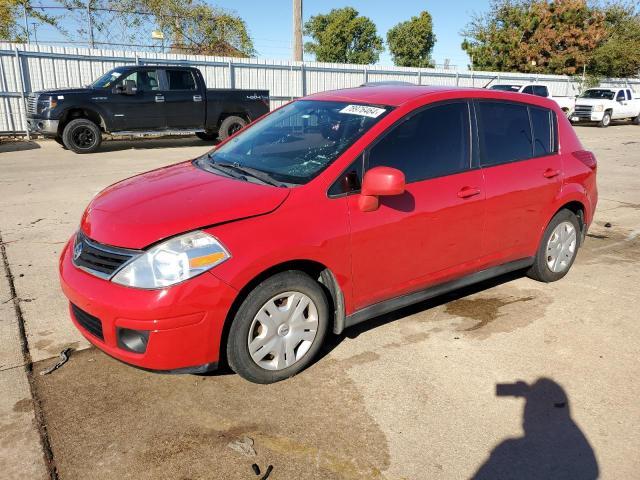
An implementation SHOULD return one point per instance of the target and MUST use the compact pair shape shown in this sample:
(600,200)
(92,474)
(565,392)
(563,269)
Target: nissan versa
(331,210)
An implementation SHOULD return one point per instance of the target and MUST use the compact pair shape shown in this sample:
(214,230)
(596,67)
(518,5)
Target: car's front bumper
(184,322)
(48,128)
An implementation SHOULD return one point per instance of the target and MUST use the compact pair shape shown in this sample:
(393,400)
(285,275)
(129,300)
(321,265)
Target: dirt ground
(417,394)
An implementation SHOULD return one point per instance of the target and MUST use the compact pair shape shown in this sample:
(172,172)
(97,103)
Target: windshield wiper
(227,171)
(252,172)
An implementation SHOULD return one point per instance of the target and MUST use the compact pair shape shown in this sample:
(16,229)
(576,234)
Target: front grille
(99,260)
(32,104)
(583,111)
(91,324)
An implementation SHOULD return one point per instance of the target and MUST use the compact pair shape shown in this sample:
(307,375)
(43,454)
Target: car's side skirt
(396,303)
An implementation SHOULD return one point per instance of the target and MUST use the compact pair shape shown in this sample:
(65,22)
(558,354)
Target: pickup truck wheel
(558,248)
(278,328)
(231,125)
(82,136)
(606,120)
(636,120)
(207,136)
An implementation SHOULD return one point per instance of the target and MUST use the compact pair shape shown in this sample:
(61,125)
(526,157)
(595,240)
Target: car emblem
(77,250)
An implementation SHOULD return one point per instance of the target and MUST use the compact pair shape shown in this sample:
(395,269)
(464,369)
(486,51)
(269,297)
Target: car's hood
(162,203)
(591,101)
(66,91)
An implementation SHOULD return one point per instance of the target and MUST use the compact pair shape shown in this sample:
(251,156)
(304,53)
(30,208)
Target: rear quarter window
(504,132)
(542,131)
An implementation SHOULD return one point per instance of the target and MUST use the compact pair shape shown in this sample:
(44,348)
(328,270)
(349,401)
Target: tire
(291,332)
(544,269)
(606,120)
(207,136)
(230,125)
(82,136)
(636,121)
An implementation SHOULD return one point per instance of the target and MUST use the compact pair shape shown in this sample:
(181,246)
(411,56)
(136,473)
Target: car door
(434,229)
(522,173)
(138,111)
(621,106)
(184,104)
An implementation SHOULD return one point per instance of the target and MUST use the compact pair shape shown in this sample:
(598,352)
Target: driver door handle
(159,98)
(197,98)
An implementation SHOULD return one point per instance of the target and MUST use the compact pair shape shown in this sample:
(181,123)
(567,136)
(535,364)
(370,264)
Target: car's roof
(396,95)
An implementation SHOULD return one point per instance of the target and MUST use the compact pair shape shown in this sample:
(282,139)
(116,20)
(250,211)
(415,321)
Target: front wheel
(636,121)
(231,125)
(558,248)
(278,328)
(606,120)
(82,136)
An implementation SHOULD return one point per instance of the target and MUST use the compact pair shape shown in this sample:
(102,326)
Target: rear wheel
(606,120)
(231,125)
(636,120)
(207,136)
(278,328)
(558,248)
(82,136)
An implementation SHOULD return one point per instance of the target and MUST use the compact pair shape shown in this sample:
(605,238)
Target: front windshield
(108,79)
(598,93)
(295,143)
(506,88)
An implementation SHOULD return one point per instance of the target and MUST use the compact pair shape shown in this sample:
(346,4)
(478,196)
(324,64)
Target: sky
(270,23)
(271,26)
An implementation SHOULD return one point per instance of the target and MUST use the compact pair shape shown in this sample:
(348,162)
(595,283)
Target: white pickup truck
(602,105)
(565,103)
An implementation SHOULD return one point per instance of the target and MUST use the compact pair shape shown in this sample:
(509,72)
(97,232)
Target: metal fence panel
(28,68)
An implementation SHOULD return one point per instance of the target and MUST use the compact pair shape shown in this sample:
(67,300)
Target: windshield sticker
(363,110)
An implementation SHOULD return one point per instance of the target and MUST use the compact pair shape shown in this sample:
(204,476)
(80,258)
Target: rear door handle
(197,98)
(467,192)
(550,173)
(159,98)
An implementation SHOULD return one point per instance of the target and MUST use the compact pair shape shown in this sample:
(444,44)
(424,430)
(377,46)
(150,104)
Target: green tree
(411,42)
(539,36)
(343,36)
(189,26)
(11,23)
(619,53)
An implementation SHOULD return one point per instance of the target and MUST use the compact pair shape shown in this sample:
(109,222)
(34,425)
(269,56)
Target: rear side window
(504,132)
(181,80)
(431,143)
(542,132)
(540,90)
(528,89)
(628,94)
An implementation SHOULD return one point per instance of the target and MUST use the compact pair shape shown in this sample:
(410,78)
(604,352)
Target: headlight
(173,261)
(598,108)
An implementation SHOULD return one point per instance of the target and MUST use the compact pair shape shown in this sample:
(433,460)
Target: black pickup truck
(139,100)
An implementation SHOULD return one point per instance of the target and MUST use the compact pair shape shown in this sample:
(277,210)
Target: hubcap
(83,137)
(283,330)
(561,247)
(234,128)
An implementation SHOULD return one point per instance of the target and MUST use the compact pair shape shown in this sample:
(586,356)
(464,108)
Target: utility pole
(297,30)
(90,20)
(26,20)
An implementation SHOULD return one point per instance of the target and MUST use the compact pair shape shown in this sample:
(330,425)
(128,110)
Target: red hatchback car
(331,210)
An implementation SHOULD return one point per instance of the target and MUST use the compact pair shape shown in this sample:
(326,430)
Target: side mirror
(130,87)
(377,182)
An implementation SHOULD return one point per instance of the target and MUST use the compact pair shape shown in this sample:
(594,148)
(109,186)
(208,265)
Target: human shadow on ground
(552,447)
